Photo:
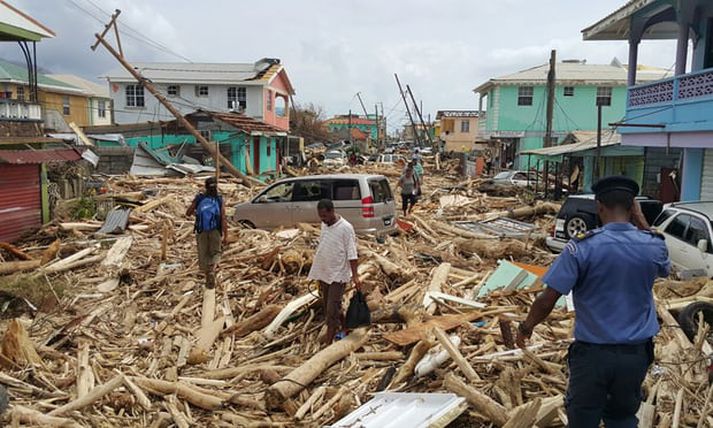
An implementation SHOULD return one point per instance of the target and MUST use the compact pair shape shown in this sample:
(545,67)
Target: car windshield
(503,175)
(333,155)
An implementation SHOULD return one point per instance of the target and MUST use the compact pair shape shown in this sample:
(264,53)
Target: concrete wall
(114,160)
(452,135)
(187,102)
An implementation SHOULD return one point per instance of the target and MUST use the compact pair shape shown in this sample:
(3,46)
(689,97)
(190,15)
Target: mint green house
(513,108)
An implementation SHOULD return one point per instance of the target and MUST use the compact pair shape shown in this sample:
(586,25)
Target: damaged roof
(241,122)
(20,157)
(457,113)
(616,25)
(257,73)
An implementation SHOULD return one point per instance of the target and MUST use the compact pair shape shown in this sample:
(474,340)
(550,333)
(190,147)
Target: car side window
(665,215)
(696,231)
(279,193)
(678,225)
(346,190)
(312,191)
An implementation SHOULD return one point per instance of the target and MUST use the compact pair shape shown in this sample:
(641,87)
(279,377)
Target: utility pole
(358,94)
(146,83)
(420,116)
(408,110)
(551,78)
(378,130)
(350,126)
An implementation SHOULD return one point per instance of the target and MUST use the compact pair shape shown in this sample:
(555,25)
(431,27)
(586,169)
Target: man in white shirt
(334,265)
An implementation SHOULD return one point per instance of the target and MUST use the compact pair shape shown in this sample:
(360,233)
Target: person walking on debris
(410,188)
(210,227)
(334,265)
(610,272)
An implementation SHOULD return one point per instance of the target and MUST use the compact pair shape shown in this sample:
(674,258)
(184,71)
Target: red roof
(354,121)
(358,135)
(39,156)
(244,123)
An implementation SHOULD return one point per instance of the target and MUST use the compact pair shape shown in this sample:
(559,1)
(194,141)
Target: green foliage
(85,208)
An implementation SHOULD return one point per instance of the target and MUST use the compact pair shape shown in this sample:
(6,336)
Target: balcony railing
(19,110)
(687,87)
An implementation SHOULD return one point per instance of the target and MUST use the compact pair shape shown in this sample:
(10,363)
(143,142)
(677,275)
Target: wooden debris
(480,402)
(16,346)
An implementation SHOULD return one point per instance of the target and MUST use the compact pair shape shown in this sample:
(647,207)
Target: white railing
(18,110)
(681,88)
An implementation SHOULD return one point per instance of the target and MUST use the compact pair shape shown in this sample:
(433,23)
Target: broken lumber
(206,338)
(19,266)
(480,402)
(93,395)
(17,347)
(182,390)
(35,418)
(418,332)
(455,354)
(287,311)
(303,375)
(525,416)
(15,251)
(407,368)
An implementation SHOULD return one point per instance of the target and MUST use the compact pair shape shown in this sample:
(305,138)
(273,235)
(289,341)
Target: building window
(134,96)
(604,96)
(281,105)
(269,100)
(65,105)
(569,91)
(465,126)
(205,133)
(101,108)
(20,93)
(524,95)
(237,98)
(201,91)
(173,91)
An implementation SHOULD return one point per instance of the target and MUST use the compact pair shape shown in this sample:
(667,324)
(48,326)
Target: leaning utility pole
(420,116)
(146,83)
(378,130)
(408,110)
(358,94)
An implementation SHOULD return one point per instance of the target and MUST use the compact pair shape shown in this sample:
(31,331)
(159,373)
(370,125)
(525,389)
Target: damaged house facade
(675,112)
(260,90)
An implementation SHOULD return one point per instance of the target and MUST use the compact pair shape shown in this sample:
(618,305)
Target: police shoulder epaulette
(655,233)
(585,235)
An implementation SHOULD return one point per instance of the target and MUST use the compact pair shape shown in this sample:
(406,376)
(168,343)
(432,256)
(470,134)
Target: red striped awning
(19,157)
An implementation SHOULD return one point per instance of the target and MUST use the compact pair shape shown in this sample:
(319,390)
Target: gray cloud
(334,49)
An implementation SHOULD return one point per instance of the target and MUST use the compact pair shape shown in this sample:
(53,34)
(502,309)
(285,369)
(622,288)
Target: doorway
(256,154)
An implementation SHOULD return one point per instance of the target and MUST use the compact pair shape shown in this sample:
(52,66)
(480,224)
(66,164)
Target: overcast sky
(333,49)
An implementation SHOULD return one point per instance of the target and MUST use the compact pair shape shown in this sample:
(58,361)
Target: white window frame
(604,95)
(101,108)
(202,91)
(525,93)
(239,96)
(20,93)
(465,126)
(173,90)
(135,96)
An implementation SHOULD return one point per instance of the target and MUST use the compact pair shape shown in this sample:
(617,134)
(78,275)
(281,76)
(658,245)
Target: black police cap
(609,184)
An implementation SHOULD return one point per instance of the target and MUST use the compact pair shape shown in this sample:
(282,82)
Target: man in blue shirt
(610,272)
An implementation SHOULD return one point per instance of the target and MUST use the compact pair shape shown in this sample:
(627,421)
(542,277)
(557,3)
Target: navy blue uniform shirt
(611,273)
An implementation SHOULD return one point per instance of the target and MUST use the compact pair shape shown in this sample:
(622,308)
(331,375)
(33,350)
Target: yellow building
(61,103)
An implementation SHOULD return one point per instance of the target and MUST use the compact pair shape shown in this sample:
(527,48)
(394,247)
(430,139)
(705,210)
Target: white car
(515,178)
(389,159)
(335,158)
(687,229)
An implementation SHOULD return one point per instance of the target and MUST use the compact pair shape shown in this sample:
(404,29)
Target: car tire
(578,223)
(688,317)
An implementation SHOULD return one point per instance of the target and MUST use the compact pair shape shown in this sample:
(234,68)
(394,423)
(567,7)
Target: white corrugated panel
(707,178)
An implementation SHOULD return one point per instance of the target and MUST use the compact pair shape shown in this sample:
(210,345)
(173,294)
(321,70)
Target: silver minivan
(365,200)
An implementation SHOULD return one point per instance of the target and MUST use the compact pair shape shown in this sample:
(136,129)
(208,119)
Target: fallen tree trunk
(19,266)
(182,390)
(92,396)
(406,370)
(14,251)
(303,375)
(439,277)
(288,310)
(35,418)
(253,322)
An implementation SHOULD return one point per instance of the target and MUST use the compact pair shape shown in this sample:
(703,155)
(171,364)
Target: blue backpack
(208,213)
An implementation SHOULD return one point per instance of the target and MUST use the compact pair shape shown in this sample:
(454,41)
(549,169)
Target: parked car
(366,201)
(686,226)
(514,178)
(389,159)
(335,158)
(579,214)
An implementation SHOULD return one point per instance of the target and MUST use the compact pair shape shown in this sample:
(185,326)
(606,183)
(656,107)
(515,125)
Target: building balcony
(14,110)
(680,104)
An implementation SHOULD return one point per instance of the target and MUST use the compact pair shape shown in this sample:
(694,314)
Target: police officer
(610,272)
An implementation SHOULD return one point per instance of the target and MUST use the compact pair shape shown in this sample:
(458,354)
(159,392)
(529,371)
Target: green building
(513,108)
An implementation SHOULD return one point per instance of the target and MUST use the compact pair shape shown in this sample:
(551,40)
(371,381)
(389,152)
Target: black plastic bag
(358,314)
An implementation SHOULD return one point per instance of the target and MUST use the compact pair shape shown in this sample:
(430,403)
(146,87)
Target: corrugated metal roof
(583,140)
(39,156)
(20,200)
(90,88)
(116,221)
(579,73)
(197,72)
(457,113)
(244,123)
(10,15)
(14,73)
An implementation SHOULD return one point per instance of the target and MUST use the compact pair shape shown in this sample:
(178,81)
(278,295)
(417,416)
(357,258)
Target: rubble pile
(128,336)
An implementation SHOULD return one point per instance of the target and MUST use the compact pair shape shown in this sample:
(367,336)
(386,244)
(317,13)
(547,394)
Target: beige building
(98,108)
(458,129)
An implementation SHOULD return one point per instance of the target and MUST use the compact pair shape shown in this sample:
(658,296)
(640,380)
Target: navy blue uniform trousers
(605,383)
